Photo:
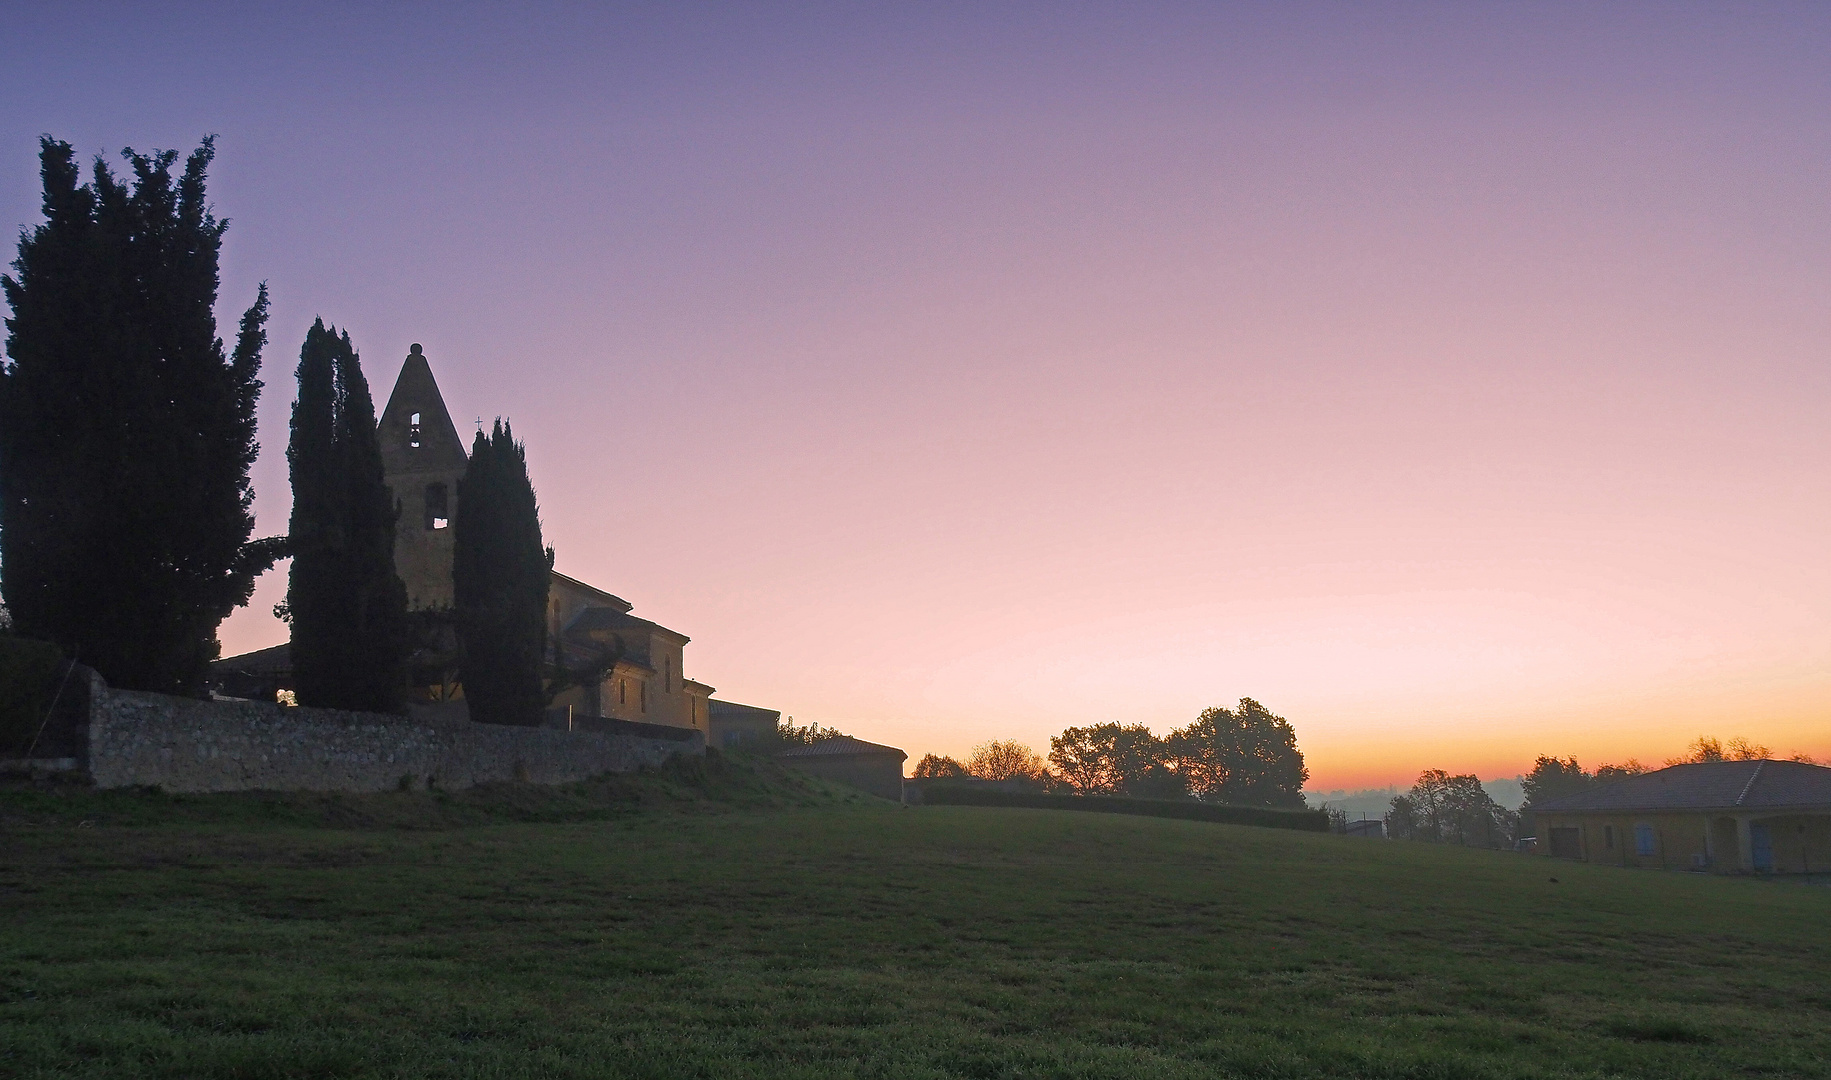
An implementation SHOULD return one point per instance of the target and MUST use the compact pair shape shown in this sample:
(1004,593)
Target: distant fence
(963,795)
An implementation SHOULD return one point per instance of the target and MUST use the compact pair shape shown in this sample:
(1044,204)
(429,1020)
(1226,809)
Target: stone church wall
(181,744)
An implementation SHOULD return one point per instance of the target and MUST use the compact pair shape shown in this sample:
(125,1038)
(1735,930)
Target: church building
(624,667)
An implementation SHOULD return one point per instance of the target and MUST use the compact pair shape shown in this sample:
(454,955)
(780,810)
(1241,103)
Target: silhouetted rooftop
(1711,785)
(842,746)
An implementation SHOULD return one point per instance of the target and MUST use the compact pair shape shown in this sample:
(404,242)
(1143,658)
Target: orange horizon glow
(1450,379)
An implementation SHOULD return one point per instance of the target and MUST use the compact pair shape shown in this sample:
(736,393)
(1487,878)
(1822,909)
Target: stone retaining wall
(181,744)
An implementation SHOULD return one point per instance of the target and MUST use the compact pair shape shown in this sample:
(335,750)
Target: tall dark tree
(1247,757)
(347,605)
(500,577)
(126,431)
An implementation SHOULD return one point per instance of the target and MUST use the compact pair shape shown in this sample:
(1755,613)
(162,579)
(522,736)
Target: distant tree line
(1245,757)
(127,432)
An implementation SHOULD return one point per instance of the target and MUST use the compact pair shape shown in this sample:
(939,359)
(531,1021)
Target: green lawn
(693,938)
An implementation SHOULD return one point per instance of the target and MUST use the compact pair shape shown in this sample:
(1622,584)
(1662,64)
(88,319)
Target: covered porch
(1788,843)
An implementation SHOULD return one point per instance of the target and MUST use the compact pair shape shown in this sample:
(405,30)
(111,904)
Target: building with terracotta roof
(1722,816)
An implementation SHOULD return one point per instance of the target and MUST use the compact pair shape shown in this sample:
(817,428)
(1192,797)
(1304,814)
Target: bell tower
(423,459)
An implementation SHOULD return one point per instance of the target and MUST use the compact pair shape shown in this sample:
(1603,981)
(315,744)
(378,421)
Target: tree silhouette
(1106,759)
(348,607)
(1445,809)
(500,577)
(126,432)
(1007,760)
(1247,757)
(938,768)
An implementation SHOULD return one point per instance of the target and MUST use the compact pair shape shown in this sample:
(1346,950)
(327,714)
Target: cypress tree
(126,432)
(348,606)
(500,578)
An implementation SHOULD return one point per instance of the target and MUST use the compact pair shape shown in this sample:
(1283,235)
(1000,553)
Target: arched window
(413,430)
(438,514)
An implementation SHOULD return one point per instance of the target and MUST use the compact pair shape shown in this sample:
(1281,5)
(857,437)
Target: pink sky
(1453,380)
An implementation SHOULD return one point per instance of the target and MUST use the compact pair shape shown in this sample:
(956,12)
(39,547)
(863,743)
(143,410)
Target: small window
(1645,843)
(413,430)
(438,514)
(622,692)
(1608,837)
(642,694)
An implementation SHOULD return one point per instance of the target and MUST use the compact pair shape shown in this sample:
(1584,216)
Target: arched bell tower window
(413,430)
(438,515)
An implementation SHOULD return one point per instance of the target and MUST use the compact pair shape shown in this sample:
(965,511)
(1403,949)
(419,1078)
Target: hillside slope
(885,942)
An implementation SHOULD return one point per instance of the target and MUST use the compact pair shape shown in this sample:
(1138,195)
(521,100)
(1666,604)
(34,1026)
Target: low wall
(181,744)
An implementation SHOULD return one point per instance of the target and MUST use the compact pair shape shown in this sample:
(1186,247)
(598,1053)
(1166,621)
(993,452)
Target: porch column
(1745,843)
(1710,843)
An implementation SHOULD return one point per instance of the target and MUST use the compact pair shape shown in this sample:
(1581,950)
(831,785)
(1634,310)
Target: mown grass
(714,783)
(676,939)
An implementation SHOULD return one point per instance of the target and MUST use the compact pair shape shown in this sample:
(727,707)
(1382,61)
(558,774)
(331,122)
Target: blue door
(1761,845)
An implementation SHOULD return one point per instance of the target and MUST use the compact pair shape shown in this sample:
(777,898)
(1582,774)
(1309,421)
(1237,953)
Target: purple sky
(1453,379)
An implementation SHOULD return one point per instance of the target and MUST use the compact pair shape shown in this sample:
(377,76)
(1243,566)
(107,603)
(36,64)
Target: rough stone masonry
(180,744)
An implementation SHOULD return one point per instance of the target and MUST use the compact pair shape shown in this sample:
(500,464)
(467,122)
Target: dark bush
(28,681)
(946,794)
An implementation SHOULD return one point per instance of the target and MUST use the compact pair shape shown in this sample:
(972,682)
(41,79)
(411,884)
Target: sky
(1450,378)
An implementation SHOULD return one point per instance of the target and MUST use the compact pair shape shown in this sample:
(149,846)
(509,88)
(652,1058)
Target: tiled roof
(572,584)
(1709,785)
(273,660)
(607,618)
(841,746)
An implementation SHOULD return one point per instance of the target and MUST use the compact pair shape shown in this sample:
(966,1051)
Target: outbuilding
(871,766)
(732,724)
(1723,816)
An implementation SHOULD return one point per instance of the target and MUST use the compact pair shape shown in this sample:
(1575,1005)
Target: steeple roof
(432,445)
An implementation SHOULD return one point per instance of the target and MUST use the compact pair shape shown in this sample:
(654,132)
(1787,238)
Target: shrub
(29,673)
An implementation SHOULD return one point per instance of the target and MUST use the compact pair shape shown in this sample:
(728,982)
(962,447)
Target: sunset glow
(1453,382)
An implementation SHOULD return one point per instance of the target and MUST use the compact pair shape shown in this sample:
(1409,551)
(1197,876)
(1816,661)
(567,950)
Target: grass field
(730,928)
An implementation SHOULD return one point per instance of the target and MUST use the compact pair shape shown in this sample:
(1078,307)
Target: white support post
(1745,843)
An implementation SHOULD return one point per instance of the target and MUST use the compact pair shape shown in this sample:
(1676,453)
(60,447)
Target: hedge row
(963,795)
